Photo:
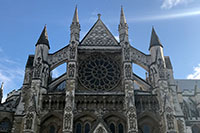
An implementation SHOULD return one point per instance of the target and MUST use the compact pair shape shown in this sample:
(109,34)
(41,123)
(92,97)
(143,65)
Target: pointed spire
(122,16)
(43,37)
(75,18)
(123,27)
(75,26)
(154,39)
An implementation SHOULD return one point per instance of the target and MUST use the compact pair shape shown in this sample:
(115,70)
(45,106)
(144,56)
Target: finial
(99,16)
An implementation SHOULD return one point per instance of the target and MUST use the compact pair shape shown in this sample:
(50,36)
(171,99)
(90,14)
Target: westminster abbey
(98,93)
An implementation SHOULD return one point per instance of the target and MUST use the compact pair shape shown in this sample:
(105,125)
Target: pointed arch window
(120,128)
(52,129)
(146,129)
(5,125)
(195,129)
(87,128)
(112,128)
(78,128)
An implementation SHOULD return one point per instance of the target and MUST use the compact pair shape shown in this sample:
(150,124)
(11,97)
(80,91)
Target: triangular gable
(99,35)
(100,127)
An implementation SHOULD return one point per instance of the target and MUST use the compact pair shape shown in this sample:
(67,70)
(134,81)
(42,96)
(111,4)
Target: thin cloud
(168,4)
(11,73)
(166,16)
(195,74)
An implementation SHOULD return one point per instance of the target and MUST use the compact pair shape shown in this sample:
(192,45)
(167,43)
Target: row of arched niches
(115,123)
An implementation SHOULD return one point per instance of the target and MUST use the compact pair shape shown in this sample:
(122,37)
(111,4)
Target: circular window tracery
(99,73)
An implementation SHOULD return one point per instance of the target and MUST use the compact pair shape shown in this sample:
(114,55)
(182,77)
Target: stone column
(129,90)
(70,88)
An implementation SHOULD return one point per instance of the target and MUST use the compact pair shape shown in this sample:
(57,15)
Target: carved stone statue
(71,70)
(128,70)
(126,52)
(38,67)
(29,121)
(72,52)
(170,121)
(68,117)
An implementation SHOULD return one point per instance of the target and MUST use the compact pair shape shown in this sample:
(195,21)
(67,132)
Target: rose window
(99,73)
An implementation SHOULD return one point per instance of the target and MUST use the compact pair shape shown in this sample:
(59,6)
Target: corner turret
(41,55)
(42,45)
(156,49)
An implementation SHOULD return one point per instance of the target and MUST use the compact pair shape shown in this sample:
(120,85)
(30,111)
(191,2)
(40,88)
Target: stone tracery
(99,73)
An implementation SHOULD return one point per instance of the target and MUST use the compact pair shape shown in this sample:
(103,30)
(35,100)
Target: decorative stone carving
(132,120)
(99,73)
(71,70)
(126,51)
(72,51)
(152,75)
(29,121)
(128,71)
(100,103)
(131,100)
(45,75)
(68,120)
(69,104)
(28,76)
(99,36)
(181,125)
(69,98)
(38,67)
(170,121)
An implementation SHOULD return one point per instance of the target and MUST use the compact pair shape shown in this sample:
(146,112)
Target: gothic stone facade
(97,94)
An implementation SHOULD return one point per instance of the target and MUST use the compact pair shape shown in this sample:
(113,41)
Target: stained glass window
(52,129)
(146,129)
(87,128)
(112,128)
(121,128)
(78,128)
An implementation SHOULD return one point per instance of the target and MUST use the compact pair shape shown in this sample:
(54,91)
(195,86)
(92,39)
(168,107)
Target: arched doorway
(195,129)
(84,122)
(5,126)
(148,123)
(116,123)
(51,124)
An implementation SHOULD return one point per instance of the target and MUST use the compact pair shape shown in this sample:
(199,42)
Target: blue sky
(177,23)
